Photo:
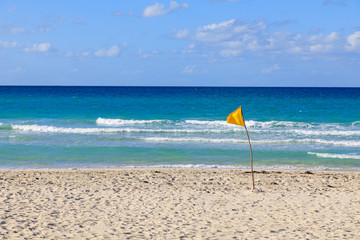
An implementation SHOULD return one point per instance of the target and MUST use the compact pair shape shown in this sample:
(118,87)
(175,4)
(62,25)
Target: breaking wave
(122,122)
(356,123)
(333,155)
(204,131)
(231,140)
(52,129)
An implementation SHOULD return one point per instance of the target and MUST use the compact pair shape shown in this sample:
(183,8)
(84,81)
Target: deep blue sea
(117,127)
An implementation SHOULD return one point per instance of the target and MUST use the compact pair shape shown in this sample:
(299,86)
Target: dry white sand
(178,204)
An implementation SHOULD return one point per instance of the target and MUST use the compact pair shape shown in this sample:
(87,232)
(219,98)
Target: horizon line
(179,86)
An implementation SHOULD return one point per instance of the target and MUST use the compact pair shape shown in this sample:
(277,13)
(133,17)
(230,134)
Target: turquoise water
(101,127)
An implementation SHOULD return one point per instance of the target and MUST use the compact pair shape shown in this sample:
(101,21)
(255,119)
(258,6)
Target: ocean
(179,127)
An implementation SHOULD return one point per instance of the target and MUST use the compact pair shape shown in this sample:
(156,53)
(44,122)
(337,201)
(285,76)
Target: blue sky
(180,43)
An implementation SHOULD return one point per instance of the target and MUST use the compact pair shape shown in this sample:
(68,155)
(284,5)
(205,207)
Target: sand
(178,204)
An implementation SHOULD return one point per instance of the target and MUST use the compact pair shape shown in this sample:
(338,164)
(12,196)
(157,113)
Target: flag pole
(237,118)
(251,161)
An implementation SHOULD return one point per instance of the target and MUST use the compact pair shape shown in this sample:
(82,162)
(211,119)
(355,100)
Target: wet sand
(178,204)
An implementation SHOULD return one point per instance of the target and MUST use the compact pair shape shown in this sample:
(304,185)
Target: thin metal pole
(252,170)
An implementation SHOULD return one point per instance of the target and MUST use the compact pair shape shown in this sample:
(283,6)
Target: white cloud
(324,44)
(321,38)
(121,14)
(215,26)
(321,48)
(147,55)
(112,51)
(229,31)
(118,14)
(17,30)
(353,42)
(49,24)
(154,10)
(85,54)
(234,38)
(230,53)
(69,54)
(193,70)
(181,34)
(332,37)
(74,70)
(41,47)
(158,9)
(270,69)
(44,28)
(125,44)
(189,49)
(190,69)
(9,44)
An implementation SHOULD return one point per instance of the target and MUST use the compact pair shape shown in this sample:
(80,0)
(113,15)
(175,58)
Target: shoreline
(178,204)
(284,168)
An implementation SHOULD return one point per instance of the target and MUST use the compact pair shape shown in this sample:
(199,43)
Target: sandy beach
(178,204)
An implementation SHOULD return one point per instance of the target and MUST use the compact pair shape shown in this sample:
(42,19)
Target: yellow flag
(236,117)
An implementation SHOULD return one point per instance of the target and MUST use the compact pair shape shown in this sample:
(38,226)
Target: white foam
(190,166)
(190,131)
(333,155)
(331,142)
(232,140)
(276,124)
(323,133)
(288,126)
(121,122)
(52,129)
(209,140)
(213,140)
(356,123)
(232,167)
(252,124)
(209,123)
